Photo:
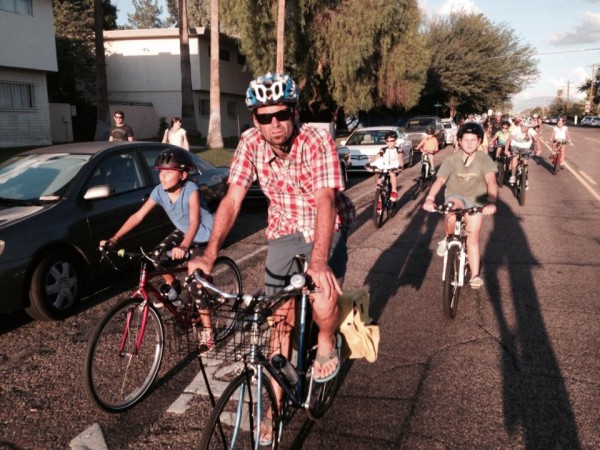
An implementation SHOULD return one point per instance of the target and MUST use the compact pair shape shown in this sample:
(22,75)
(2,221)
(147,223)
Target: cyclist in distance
(182,202)
(560,136)
(537,124)
(470,179)
(520,143)
(429,145)
(298,170)
(388,158)
(500,137)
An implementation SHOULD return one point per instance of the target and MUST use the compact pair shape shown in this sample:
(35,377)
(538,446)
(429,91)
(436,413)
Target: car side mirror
(96,192)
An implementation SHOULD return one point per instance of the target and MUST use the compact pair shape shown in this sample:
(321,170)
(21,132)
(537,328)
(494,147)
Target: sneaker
(512,180)
(394,196)
(205,341)
(441,249)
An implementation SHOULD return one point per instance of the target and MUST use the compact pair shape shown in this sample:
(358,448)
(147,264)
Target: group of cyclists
(297,168)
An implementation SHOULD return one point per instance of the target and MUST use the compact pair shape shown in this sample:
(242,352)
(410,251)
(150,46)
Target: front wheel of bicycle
(522,186)
(451,283)
(378,207)
(117,373)
(237,418)
(555,159)
(227,277)
(501,174)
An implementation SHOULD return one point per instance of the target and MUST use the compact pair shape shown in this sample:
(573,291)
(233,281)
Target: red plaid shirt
(290,184)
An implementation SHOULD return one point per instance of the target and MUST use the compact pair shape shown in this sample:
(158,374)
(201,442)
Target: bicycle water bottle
(281,363)
(170,293)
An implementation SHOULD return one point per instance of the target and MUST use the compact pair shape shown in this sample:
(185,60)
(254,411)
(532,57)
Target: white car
(595,122)
(450,128)
(364,143)
(585,122)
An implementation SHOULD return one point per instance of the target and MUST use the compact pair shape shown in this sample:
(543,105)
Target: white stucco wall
(144,66)
(27,42)
(24,127)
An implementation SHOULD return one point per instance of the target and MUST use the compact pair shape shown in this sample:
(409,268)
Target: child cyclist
(470,179)
(181,200)
(429,144)
(500,138)
(388,158)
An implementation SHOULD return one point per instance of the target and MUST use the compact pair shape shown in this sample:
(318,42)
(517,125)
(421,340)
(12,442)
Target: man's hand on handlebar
(323,278)
(203,263)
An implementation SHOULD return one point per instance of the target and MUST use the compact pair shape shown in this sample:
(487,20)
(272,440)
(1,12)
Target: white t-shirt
(521,139)
(389,160)
(176,137)
(560,134)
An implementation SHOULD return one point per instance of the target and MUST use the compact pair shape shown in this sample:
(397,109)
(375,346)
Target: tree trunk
(102,111)
(188,119)
(280,36)
(215,136)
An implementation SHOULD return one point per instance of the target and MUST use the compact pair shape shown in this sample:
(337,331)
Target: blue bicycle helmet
(272,89)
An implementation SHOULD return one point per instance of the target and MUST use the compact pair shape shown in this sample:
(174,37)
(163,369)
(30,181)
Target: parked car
(57,203)
(595,122)
(416,128)
(554,119)
(364,143)
(585,121)
(450,129)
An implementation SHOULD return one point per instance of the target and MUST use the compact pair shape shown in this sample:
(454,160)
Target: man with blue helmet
(298,169)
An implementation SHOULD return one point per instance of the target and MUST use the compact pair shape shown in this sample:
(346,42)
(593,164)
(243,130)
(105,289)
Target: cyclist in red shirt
(298,169)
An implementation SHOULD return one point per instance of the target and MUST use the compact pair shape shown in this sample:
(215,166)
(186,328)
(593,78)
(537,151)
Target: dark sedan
(57,203)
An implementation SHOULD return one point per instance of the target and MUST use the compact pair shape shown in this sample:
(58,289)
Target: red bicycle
(125,350)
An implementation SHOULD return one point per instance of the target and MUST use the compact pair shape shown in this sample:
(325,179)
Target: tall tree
(341,57)
(198,13)
(146,15)
(215,136)
(475,63)
(74,28)
(102,110)
(188,118)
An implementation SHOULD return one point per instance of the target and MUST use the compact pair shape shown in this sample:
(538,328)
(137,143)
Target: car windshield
(420,123)
(38,177)
(367,137)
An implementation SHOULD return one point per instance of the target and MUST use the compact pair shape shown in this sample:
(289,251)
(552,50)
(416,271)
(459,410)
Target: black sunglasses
(281,116)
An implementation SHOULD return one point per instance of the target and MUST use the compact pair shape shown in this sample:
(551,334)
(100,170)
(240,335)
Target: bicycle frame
(459,239)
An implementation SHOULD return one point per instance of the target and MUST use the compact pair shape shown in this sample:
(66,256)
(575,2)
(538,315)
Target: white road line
(588,178)
(90,439)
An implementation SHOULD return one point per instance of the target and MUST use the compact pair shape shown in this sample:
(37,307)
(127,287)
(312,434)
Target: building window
(16,95)
(204,107)
(224,55)
(232,110)
(22,7)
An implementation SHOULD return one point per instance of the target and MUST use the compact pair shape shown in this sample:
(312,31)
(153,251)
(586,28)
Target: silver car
(366,142)
(450,128)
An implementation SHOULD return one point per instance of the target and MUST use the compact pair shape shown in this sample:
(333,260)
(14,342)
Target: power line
(567,51)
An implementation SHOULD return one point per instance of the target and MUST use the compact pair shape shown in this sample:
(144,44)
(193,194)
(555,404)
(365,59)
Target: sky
(565,33)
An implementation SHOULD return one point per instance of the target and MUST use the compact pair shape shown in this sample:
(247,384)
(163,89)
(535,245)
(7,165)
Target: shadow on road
(534,393)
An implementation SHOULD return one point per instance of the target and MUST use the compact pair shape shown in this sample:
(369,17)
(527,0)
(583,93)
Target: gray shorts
(467,203)
(524,153)
(280,259)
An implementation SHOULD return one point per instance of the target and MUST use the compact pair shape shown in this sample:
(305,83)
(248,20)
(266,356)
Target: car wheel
(55,287)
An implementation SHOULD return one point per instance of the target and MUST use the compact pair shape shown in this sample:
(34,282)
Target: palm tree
(214,139)
(188,119)
(280,35)
(102,112)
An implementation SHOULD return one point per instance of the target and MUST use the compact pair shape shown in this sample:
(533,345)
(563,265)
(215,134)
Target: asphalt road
(517,369)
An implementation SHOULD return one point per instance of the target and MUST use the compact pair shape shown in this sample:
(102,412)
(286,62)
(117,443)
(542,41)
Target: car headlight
(2,245)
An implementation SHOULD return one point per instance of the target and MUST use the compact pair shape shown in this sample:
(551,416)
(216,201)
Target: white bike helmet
(272,89)
(527,121)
